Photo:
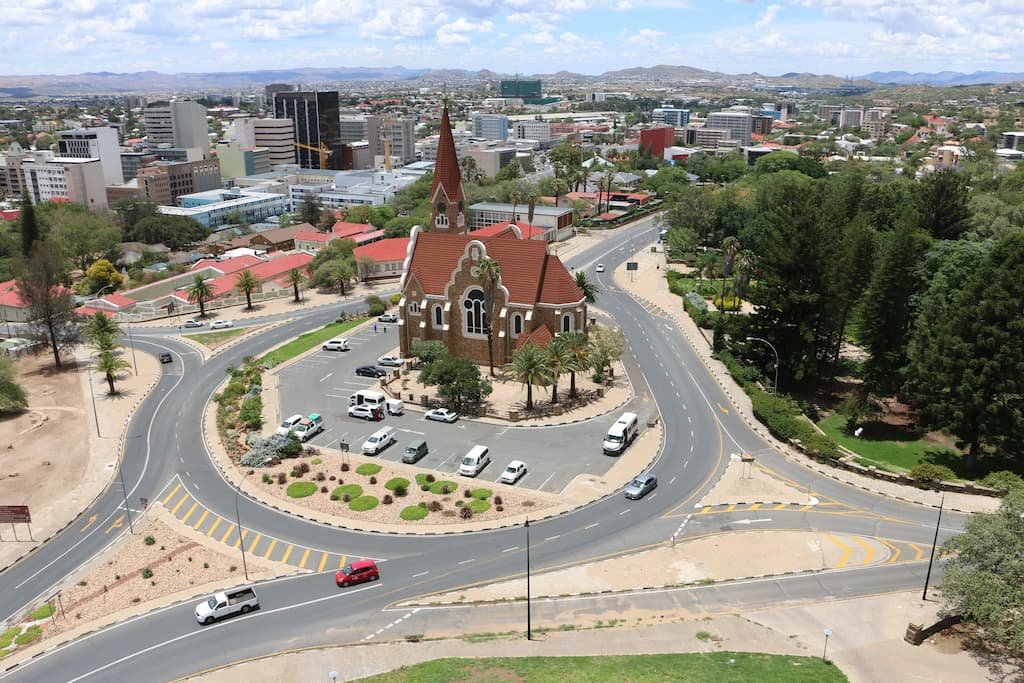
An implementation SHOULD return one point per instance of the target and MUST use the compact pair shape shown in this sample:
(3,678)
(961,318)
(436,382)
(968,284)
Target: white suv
(340,344)
(379,440)
(288,425)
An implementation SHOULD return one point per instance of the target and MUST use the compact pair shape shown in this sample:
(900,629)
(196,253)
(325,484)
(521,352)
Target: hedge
(926,474)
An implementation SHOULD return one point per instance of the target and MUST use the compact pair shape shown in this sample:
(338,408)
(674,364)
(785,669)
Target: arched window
(441,221)
(517,325)
(566,323)
(476,318)
(437,317)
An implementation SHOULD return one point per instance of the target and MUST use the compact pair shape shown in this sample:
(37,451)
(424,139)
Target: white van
(475,460)
(395,406)
(621,434)
(379,440)
(374,399)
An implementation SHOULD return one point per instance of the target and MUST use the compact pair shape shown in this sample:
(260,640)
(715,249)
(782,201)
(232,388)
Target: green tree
(587,286)
(109,364)
(131,211)
(247,283)
(40,284)
(489,274)
(693,208)
(786,161)
(174,232)
(608,345)
(981,581)
(29,226)
(365,265)
(85,236)
(199,292)
(855,258)
(558,188)
(103,274)
(579,356)
(943,202)
(295,278)
(12,396)
(429,351)
(529,366)
(458,380)
(532,197)
(309,209)
(100,330)
(559,360)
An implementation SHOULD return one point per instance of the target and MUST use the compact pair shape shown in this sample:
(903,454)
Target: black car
(370,371)
(166,357)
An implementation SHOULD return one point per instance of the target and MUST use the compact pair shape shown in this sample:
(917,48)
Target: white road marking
(329,374)
(753,521)
(508,550)
(420,574)
(591,526)
(626,511)
(467,561)
(685,464)
(670,481)
(551,538)
(546,480)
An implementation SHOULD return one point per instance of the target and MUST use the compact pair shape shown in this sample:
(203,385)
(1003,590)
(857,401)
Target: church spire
(447,207)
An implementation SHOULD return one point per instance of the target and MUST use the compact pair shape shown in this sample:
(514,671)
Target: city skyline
(839,37)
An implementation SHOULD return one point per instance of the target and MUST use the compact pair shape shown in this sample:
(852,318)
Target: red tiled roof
(392,249)
(231,265)
(343,229)
(119,300)
(367,237)
(502,229)
(9,294)
(314,236)
(540,338)
(10,214)
(266,270)
(446,168)
(89,311)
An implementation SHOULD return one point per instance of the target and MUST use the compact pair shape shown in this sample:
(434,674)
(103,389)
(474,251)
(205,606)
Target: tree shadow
(884,431)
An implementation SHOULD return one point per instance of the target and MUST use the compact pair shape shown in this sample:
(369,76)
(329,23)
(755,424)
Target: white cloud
(456,31)
(769,16)
(644,37)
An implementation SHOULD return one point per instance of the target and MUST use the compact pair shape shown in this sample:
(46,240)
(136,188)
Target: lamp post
(824,652)
(529,632)
(238,520)
(775,386)
(935,540)
(92,392)
(124,490)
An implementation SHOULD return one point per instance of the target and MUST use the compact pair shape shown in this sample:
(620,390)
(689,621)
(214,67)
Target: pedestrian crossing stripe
(224,538)
(170,495)
(202,518)
(184,497)
(184,520)
(213,527)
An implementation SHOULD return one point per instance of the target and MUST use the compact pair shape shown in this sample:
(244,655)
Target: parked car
(365,412)
(340,344)
(219,605)
(193,323)
(166,357)
(641,486)
(388,318)
(475,460)
(356,572)
(221,324)
(370,371)
(392,361)
(442,415)
(514,472)
(310,426)
(414,451)
(599,268)
(378,441)
(289,425)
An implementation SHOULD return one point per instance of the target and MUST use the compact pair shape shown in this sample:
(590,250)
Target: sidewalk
(649,287)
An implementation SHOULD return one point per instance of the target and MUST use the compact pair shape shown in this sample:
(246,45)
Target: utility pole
(529,631)
(935,540)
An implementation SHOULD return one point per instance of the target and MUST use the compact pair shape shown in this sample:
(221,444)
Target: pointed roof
(540,338)
(446,168)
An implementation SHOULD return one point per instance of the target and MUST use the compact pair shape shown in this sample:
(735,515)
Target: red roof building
(227,266)
(514,229)
(272,274)
(381,260)
(343,229)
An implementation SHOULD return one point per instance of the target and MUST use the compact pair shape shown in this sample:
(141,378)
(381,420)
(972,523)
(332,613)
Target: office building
(490,126)
(401,135)
(534,130)
(787,110)
(181,124)
(270,91)
(237,161)
(94,143)
(761,125)
(491,158)
(45,177)
(653,141)
(10,171)
(277,136)
(213,208)
(315,122)
(670,116)
(851,118)
(736,124)
(523,89)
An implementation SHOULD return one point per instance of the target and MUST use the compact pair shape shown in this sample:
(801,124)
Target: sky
(840,37)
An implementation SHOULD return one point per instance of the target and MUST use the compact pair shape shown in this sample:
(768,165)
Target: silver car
(641,486)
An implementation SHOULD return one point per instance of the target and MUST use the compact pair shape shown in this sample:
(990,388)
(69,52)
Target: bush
(147,573)
(397,482)
(499,508)
(413,513)
(459,503)
(387,499)
(430,478)
(373,481)
(363,503)
(443,488)
(1003,480)
(395,298)
(466,513)
(296,473)
(252,412)
(301,489)
(497,500)
(344,467)
(304,467)
(368,469)
(926,474)
(292,447)
(425,487)
(281,478)
(467,494)
(31,634)
(267,478)
(317,461)
(745,375)
(732,303)
(822,445)
(478,506)
(149,540)
(346,498)
(323,489)
(434,506)
(320,476)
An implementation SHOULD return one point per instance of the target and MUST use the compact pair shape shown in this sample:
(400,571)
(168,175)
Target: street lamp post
(92,392)
(935,540)
(124,490)
(238,520)
(775,386)
(824,652)
(529,631)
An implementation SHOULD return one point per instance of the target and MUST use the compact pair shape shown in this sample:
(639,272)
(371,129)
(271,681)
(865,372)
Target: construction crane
(322,149)
(386,123)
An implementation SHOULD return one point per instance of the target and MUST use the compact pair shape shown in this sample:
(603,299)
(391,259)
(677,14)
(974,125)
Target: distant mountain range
(106,82)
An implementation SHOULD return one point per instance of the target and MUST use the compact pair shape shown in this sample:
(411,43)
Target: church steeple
(447,205)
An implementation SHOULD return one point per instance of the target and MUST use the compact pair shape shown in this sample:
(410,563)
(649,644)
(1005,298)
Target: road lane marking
(847,551)
(342,560)
(184,497)
(867,548)
(273,544)
(323,561)
(287,553)
(591,526)
(305,556)
(326,376)
(546,481)
(184,520)
(90,523)
(755,506)
(420,574)
(508,550)
(224,538)
(216,523)
(781,505)
(467,561)
(238,541)
(170,495)
(255,542)
(202,518)
(722,408)
(116,525)
(730,508)
(551,538)
(705,510)
(672,480)
(625,511)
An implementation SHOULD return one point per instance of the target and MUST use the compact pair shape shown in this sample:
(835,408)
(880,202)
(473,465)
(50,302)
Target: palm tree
(559,187)
(529,366)
(489,272)
(514,197)
(558,364)
(745,264)
(199,292)
(531,202)
(247,283)
(704,262)
(730,247)
(295,278)
(109,363)
(579,353)
(101,330)
(590,289)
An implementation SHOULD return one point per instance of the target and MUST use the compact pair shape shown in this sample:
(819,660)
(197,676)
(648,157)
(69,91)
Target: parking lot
(323,382)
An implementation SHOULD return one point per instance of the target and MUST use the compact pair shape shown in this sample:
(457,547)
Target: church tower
(448,212)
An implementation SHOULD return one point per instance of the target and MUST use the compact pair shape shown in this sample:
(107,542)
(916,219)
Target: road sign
(631,265)
(15,514)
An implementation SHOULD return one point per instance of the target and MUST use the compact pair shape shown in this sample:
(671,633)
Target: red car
(356,572)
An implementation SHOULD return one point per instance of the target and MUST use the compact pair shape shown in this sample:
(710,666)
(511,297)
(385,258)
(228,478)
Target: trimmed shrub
(425,487)
(350,490)
(363,503)
(395,483)
(301,489)
(267,478)
(320,476)
(466,513)
(147,573)
(387,499)
(252,412)
(304,467)
(413,513)
(149,540)
(822,445)
(323,489)
(1003,480)
(281,478)
(459,503)
(344,467)
(732,303)
(430,478)
(368,469)
(497,500)
(467,494)
(926,474)
(373,481)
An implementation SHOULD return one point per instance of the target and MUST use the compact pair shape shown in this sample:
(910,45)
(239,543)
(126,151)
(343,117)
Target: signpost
(16,514)
(631,268)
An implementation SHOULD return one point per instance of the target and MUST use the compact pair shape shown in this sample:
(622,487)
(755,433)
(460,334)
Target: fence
(144,312)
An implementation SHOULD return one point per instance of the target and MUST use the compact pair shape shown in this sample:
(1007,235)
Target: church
(443,299)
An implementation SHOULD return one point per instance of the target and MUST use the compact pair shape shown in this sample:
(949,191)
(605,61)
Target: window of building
(476,318)
(414,307)
(566,323)
(437,317)
(517,325)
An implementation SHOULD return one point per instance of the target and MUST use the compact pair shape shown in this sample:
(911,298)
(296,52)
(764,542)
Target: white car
(388,318)
(340,344)
(378,441)
(221,324)
(193,323)
(288,425)
(392,361)
(514,472)
(362,411)
(599,268)
(442,415)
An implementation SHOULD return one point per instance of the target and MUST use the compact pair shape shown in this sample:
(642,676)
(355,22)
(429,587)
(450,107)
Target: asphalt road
(163,445)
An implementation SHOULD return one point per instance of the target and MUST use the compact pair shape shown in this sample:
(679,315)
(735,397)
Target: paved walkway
(649,286)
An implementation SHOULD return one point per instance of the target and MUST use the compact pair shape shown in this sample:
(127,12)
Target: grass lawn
(901,451)
(713,667)
(215,339)
(305,342)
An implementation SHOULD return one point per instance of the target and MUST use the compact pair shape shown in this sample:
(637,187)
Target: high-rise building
(276,135)
(315,121)
(94,143)
(271,90)
(401,136)
(737,124)
(237,161)
(534,130)
(787,110)
(761,124)
(523,89)
(47,177)
(181,123)
(828,111)
(490,126)
(851,118)
(670,116)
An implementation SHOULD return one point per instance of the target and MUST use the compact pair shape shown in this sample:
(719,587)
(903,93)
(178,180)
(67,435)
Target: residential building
(534,130)
(10,171)
(787,110)
(670,116)
(180,123)
(213,208)
(654,140)
(381,260)
(547,217)
(707,138)
(45,177)
(827,112)
(315,122)
(94,143)
(851,118)
(490,126)
(277,136)
(737,125)
(1013,140)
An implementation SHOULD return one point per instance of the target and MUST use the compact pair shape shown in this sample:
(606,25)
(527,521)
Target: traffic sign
(15,514)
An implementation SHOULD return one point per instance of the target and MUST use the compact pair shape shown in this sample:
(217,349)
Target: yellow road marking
(273,542)
(184,520)
(720,407)
(342,561)
(255,542)
(92,519)
(170,495)
(919,551)
(116,525)
(323,561)
(867,548)
(755,506)
(216,523)
(730,508)
(705,510)
(287,553)
(895,551)
(781,506)
(805,508)
(305,556)
(184,497)
(238,541)
(224,538)
(202,518)
(847,551)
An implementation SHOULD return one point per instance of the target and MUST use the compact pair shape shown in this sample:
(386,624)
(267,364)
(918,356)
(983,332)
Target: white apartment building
(851,118)
(276,135)
(94,143)
(45,177)
(671,116)
(534,130)
(490,126)
(401,134)
(181,123)
(737,125)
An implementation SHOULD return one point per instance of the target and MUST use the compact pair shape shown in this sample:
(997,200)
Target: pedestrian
(375,328)
(385,329)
